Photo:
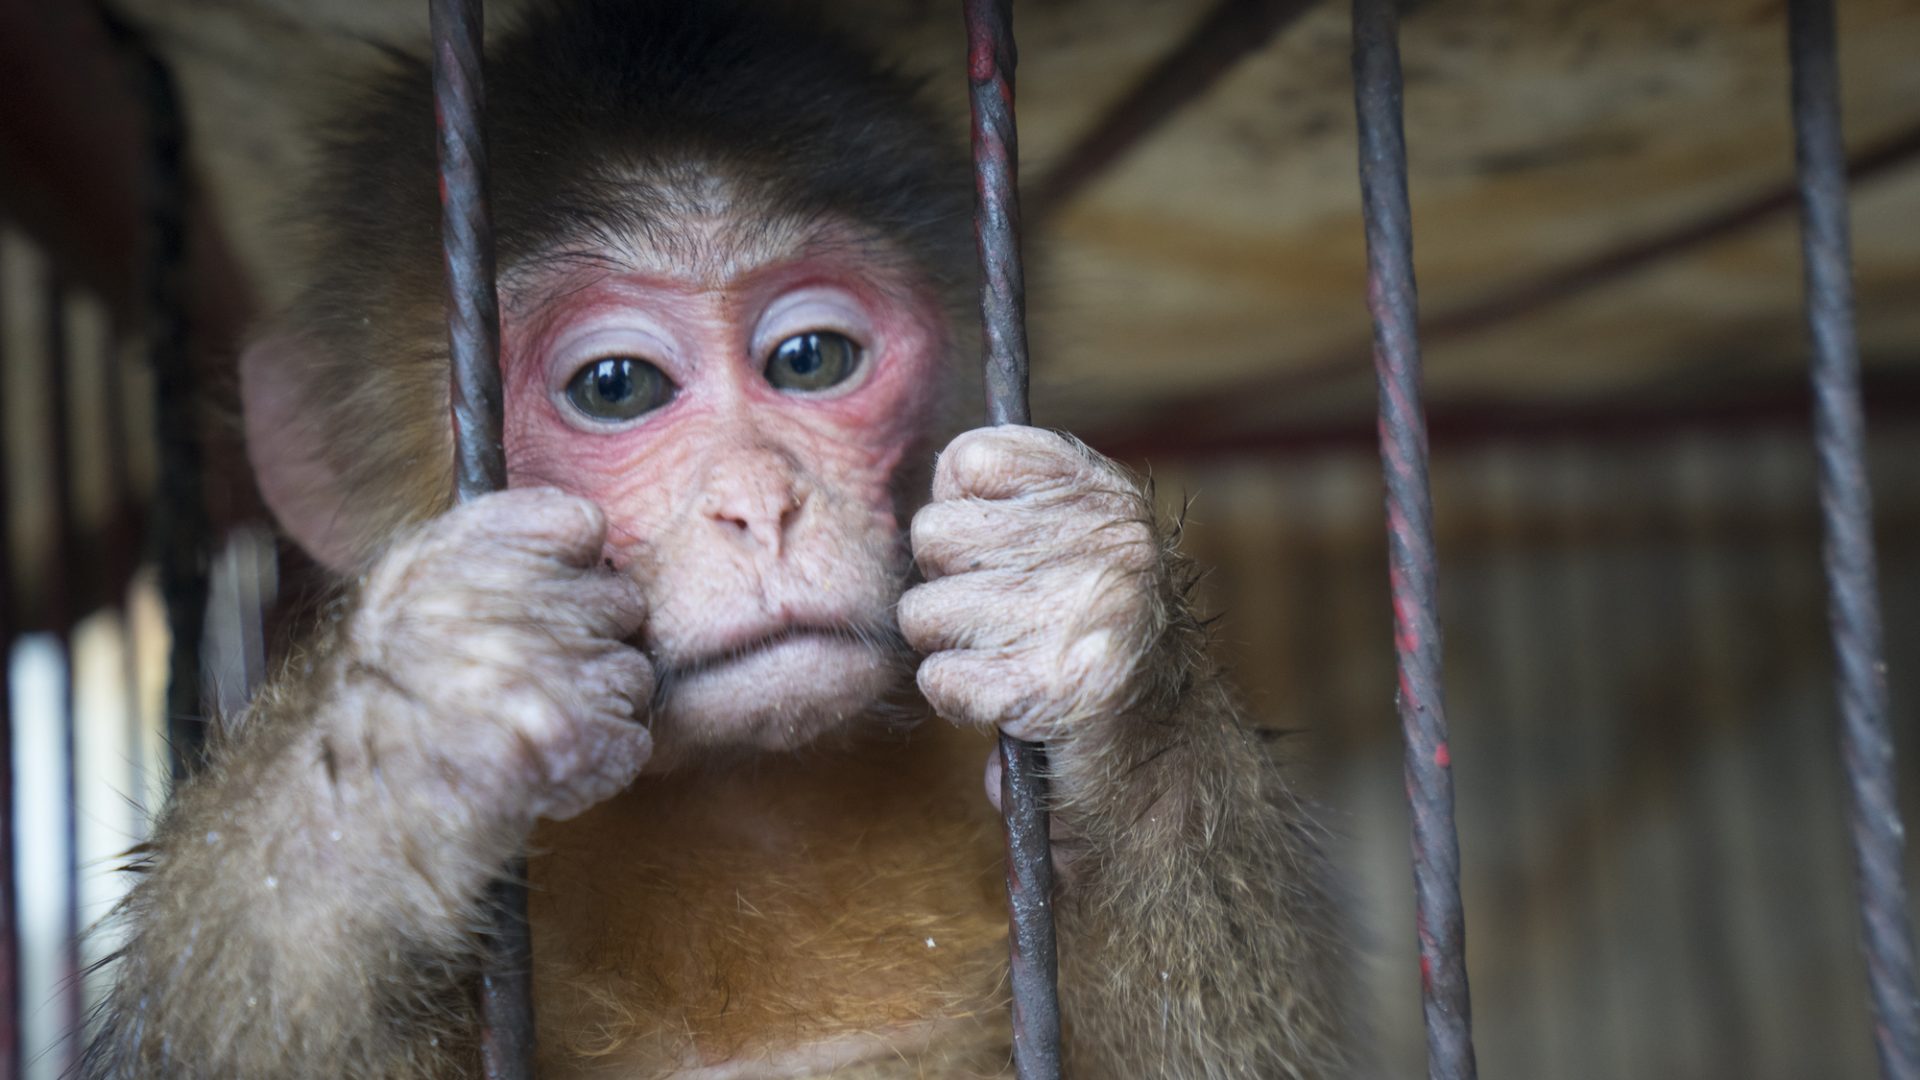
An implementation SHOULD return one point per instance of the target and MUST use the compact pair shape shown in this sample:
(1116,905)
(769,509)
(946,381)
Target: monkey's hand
(492,643)
(1194,930)
(1048,586)
(310,894)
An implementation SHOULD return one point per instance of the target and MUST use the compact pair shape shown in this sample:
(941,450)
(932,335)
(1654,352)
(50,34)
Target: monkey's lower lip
(755,644)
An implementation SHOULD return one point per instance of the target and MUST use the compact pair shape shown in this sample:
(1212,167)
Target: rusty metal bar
(480,463)
(10,1061)
(1228,34)
(1023,784)
(181,531)
(1394,300)
(1866,743)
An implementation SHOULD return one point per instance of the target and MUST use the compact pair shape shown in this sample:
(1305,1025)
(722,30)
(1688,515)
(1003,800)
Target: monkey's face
(741,420)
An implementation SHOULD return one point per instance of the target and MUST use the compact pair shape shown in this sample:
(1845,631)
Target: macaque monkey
(693,661)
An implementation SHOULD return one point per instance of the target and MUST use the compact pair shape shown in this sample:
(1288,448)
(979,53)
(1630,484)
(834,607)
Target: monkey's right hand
(493,644)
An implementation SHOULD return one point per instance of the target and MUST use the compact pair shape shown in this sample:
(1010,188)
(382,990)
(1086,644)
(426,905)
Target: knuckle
(937,684)
(541,718)
(522,521)
(969,455)
(988,462)
(1136,546)
(915,613)
(929,524)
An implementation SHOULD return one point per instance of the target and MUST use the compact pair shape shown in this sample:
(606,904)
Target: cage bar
(179,523)
(1394,301)
(9,894)
(1023,784)
(1846,511)
(480,464)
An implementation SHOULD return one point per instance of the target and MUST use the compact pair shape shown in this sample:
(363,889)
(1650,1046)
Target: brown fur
(667,932)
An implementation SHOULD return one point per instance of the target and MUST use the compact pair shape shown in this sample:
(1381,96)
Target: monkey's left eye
(814,360)
(617,388)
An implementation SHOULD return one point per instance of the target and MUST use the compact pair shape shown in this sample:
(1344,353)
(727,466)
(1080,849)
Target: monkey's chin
(778,697)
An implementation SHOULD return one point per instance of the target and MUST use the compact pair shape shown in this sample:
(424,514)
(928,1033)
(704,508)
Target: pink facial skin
(760,522)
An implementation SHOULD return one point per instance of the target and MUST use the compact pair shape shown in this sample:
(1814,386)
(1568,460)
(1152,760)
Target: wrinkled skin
(1044,587)
(502,615)
(760,524)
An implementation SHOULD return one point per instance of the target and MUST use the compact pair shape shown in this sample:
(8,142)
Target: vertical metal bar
(480,464)
(9,928)
(180,526)
(1866,743)
(473,313)
(1023,785)
(1394,301)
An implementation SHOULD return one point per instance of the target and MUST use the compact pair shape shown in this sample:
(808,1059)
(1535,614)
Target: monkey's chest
(845,918)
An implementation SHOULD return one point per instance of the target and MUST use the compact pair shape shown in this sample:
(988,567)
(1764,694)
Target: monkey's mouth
(774,685)
(747,646)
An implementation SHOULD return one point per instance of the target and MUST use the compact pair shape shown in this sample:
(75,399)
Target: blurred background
(1656,875)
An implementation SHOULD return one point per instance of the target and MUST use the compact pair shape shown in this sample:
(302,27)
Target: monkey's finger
(957,536)
(986,610)
(606,757)
(607,604)
(965,535)
(630,674)
(545,522)
(1006,462)
(986,688)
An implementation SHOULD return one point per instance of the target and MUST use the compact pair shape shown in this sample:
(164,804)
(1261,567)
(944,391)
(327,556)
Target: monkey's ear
(287,447)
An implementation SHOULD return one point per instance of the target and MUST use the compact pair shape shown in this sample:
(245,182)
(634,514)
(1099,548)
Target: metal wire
(1866,744)
(180,536)
(1394,301)
(1023,784)
(480,463)
(9,894)
(473,311)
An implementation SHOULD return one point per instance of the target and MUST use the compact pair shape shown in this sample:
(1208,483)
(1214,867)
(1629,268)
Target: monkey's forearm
(306,908)
(1197,939)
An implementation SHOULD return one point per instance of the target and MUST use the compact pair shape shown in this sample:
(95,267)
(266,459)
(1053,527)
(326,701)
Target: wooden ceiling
(1600,191)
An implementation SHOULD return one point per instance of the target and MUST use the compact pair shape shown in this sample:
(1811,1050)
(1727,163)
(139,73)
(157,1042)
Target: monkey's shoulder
(789,917)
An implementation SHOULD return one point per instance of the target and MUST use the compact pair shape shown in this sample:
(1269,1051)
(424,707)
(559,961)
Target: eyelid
(578,350)
(814,308)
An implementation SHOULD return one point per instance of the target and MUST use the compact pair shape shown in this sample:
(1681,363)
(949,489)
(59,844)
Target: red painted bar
(1394,300)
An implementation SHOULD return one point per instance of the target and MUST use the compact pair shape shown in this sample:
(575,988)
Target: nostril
(758,507)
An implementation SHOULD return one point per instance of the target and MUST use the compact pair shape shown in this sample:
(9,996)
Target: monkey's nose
(762,514)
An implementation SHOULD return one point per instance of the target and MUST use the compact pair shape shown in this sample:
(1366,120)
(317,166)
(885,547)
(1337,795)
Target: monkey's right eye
(617,388)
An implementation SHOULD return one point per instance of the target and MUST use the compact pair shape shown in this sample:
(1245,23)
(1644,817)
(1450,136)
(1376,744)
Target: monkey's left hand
(1047,585)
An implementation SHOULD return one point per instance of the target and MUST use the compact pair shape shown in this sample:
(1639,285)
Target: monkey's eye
(617,388)
(811,361)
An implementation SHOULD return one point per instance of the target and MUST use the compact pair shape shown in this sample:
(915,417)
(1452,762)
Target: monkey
(724,658)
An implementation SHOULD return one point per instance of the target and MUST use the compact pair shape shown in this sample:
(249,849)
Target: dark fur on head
(598,114)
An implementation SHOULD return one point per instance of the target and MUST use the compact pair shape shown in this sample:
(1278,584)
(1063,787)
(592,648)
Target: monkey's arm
(294,908)
(310,902)
(1196,937)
